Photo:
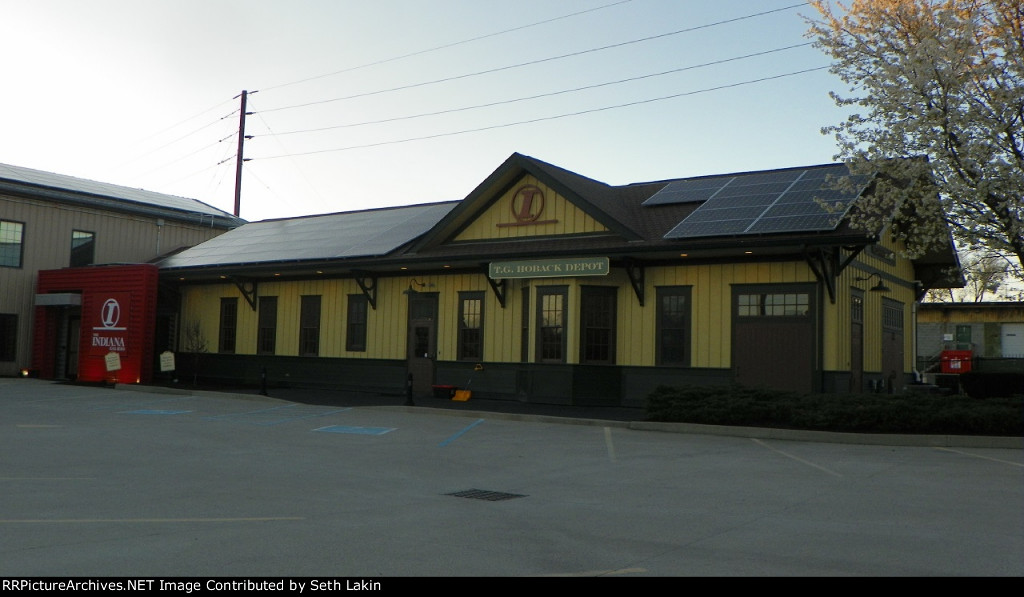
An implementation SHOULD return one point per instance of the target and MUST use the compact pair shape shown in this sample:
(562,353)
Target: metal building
(50,221)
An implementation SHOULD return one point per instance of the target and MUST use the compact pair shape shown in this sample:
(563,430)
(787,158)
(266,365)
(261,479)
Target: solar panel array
(333,236)
(795,200)
(685,191)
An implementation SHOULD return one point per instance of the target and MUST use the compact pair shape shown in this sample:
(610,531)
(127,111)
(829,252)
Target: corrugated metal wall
(120,238)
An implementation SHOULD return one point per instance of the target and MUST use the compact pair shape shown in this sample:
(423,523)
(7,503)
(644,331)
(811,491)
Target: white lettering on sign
(115,343)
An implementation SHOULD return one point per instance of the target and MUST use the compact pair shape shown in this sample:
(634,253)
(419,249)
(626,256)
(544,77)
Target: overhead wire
(294,163)
(549,94)
(498,69)
(555,117)
(532,62)
(448,45)
(182,138)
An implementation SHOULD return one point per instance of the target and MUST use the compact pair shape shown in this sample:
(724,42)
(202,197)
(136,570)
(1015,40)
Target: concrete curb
(797,435)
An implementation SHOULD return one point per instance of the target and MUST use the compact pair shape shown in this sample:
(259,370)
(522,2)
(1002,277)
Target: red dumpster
(956,361)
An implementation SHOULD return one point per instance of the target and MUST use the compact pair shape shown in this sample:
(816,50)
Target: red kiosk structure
(96,324)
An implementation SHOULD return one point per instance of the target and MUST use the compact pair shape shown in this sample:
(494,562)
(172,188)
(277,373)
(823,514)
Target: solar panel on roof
(332,236)
(687,191)
(768,202)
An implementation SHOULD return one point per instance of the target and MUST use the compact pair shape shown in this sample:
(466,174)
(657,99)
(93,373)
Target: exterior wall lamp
(880,287)
(410,291)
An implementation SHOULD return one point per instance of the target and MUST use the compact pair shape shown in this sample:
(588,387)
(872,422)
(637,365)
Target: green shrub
(862,413)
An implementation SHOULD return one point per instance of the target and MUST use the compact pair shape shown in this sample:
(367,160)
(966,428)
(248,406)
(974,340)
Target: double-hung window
(672,333)
(355,335)
(309,326)
(11,243)
(266,334)
(471,326)
(228,325)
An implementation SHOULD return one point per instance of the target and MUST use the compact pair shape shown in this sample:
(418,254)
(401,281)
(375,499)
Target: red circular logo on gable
(527,204)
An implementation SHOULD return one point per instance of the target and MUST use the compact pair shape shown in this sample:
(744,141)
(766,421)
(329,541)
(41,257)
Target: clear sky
(362,104)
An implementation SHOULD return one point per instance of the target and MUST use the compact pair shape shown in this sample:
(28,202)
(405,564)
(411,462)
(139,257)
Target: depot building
(544,285)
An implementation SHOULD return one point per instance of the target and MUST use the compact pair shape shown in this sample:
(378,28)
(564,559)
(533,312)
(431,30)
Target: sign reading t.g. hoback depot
(549,268)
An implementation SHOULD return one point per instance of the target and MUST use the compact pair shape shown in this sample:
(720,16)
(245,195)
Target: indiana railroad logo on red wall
(110,316)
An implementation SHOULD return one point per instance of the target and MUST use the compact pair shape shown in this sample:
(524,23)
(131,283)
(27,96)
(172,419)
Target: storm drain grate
(490,496)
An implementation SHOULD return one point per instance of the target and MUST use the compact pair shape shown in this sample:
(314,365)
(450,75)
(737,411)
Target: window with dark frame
(12,237)
(597,324)
(309,326)
(551,302)
(355,333)
(782,304)
(8,336)
(228,325)
(83,248)
(672,333)
(524,330)
(266,332)
(892,315)
(471,326)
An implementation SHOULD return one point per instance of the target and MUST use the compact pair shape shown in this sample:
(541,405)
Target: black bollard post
(408,391)
(263,381)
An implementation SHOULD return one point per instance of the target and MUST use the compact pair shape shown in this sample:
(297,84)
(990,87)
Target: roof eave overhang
(118,205)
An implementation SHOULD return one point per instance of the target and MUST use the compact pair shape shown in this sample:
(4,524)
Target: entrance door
(892,345)
(69,322)
(422,349)
(774,336)
(856,342)
(74,337)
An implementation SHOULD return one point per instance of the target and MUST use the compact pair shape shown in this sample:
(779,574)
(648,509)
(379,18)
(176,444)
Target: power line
(294,163)
(543,95)
(532,62)
(448,45)
(181,138)
(547,118)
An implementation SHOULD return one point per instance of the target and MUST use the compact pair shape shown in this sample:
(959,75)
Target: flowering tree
(942,82)
(986,278)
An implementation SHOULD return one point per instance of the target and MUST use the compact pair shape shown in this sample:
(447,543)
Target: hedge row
(863,413)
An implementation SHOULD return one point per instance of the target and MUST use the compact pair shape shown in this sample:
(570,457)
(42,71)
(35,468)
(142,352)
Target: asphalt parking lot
(122,482)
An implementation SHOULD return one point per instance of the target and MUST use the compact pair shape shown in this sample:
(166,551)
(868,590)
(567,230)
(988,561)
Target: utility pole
(241,148)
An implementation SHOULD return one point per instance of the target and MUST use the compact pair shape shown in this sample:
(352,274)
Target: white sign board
(113,361)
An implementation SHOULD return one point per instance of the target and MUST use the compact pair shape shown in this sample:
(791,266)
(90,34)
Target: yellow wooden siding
(386,326)
(837,317)
(711,313)
(202,303)
(496,222)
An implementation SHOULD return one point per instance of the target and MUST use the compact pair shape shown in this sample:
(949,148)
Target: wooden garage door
(774,340)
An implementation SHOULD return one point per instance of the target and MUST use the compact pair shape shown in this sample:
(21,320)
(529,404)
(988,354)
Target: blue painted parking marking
(146,411)
(356,430)
(275,416)
(460,433)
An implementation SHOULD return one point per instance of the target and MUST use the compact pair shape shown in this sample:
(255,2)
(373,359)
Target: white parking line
(982,457)
(800,460)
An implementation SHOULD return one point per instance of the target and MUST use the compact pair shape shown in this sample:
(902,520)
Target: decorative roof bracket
(635,271)
(248,288)
(824,262)
(368,284)
(498,286)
